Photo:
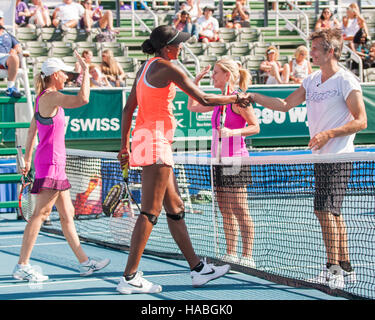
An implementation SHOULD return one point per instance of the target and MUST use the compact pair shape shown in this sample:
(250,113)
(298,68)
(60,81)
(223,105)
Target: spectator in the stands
(39,14)
(326,21)
(182,22)
(112,69)
(274,71)
(67,15)
(193,8)
(22,14)
(96,18)
(97,78)
(240,17)
(300,66)
(361,46)
(208,27)
(9,50)
(87,57)
(352,22)
(371,58)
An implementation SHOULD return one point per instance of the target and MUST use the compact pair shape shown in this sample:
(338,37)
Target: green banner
(99,119)
(273,124)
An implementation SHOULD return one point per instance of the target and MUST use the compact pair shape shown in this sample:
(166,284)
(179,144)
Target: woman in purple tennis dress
(51,183)
(231,181)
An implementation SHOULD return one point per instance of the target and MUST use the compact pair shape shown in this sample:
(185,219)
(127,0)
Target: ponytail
(238,75)
(245,79)
(38,84)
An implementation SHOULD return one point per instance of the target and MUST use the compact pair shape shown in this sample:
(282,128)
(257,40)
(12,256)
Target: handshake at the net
(244,100)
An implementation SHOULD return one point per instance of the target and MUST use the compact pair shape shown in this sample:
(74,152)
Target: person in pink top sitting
(231,188)
(51,183)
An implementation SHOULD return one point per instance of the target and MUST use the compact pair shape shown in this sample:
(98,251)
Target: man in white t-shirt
(335,113)
(208,27)
(67,14)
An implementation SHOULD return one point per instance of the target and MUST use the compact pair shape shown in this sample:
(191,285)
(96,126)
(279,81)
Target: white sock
(11,84)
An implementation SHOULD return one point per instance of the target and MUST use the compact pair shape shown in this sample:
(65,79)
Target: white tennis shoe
(92,265)
(27,272)
(332,277)
(137,285)
(209,272)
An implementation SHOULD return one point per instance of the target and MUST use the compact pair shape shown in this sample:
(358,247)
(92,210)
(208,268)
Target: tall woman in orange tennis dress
(153,92)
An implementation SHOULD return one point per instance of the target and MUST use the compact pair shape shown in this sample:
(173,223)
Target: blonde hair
(353,6)
(299,50)
(276,52)
(112,67)
(238,75)
(40,83)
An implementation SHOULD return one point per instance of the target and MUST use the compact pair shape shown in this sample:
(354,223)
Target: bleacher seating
(247,45)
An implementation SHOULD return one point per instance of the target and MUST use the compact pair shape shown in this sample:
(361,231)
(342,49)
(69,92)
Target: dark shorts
(231,176)
(331,181)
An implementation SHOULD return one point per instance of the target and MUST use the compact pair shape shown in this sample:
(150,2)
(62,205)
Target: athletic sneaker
(137,285)
(209,272)
(27,272)
(350,277)
(13,92)
(333,277)
(92,265)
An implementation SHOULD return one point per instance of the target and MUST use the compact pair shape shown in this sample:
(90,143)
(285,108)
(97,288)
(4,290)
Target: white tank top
(300,71)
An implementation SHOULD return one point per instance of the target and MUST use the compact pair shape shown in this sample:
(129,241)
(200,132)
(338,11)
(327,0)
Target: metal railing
(304,35)
(135,16)
(354,56)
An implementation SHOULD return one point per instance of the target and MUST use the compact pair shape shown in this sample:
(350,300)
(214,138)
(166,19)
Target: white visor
(53,65)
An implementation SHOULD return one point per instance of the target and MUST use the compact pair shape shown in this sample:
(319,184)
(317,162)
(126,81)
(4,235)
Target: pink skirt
(52,177)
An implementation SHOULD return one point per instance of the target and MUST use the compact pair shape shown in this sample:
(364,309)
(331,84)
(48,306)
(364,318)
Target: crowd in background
(198,19)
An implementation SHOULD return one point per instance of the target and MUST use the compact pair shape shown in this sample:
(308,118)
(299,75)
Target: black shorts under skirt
(331,181)
(231,176)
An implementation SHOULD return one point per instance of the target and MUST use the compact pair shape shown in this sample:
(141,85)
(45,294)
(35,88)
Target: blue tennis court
(287,241)
(55,259)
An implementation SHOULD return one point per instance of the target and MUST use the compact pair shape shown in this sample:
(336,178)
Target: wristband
(237,98)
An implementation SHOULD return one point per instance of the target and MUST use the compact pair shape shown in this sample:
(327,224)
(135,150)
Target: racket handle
(125,172)
(21,161)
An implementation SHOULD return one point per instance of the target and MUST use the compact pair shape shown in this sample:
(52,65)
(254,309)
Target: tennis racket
(118,206)
(26,200)
(119,198)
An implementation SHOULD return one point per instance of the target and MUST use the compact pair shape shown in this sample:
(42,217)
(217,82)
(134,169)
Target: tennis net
(273,200)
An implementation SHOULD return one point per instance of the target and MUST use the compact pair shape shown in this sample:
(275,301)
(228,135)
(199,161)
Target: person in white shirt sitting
(352,21)
(67,15)
(300,66)
(208,27)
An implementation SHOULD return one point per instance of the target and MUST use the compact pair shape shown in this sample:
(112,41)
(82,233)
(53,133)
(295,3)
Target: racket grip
(125,171)
(21,161)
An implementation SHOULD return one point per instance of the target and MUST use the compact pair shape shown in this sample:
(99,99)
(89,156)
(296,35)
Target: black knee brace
(153,219)
(177,216)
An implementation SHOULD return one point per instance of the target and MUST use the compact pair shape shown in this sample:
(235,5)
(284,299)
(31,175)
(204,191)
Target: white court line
(26,283)
(11,237)
(37,244)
